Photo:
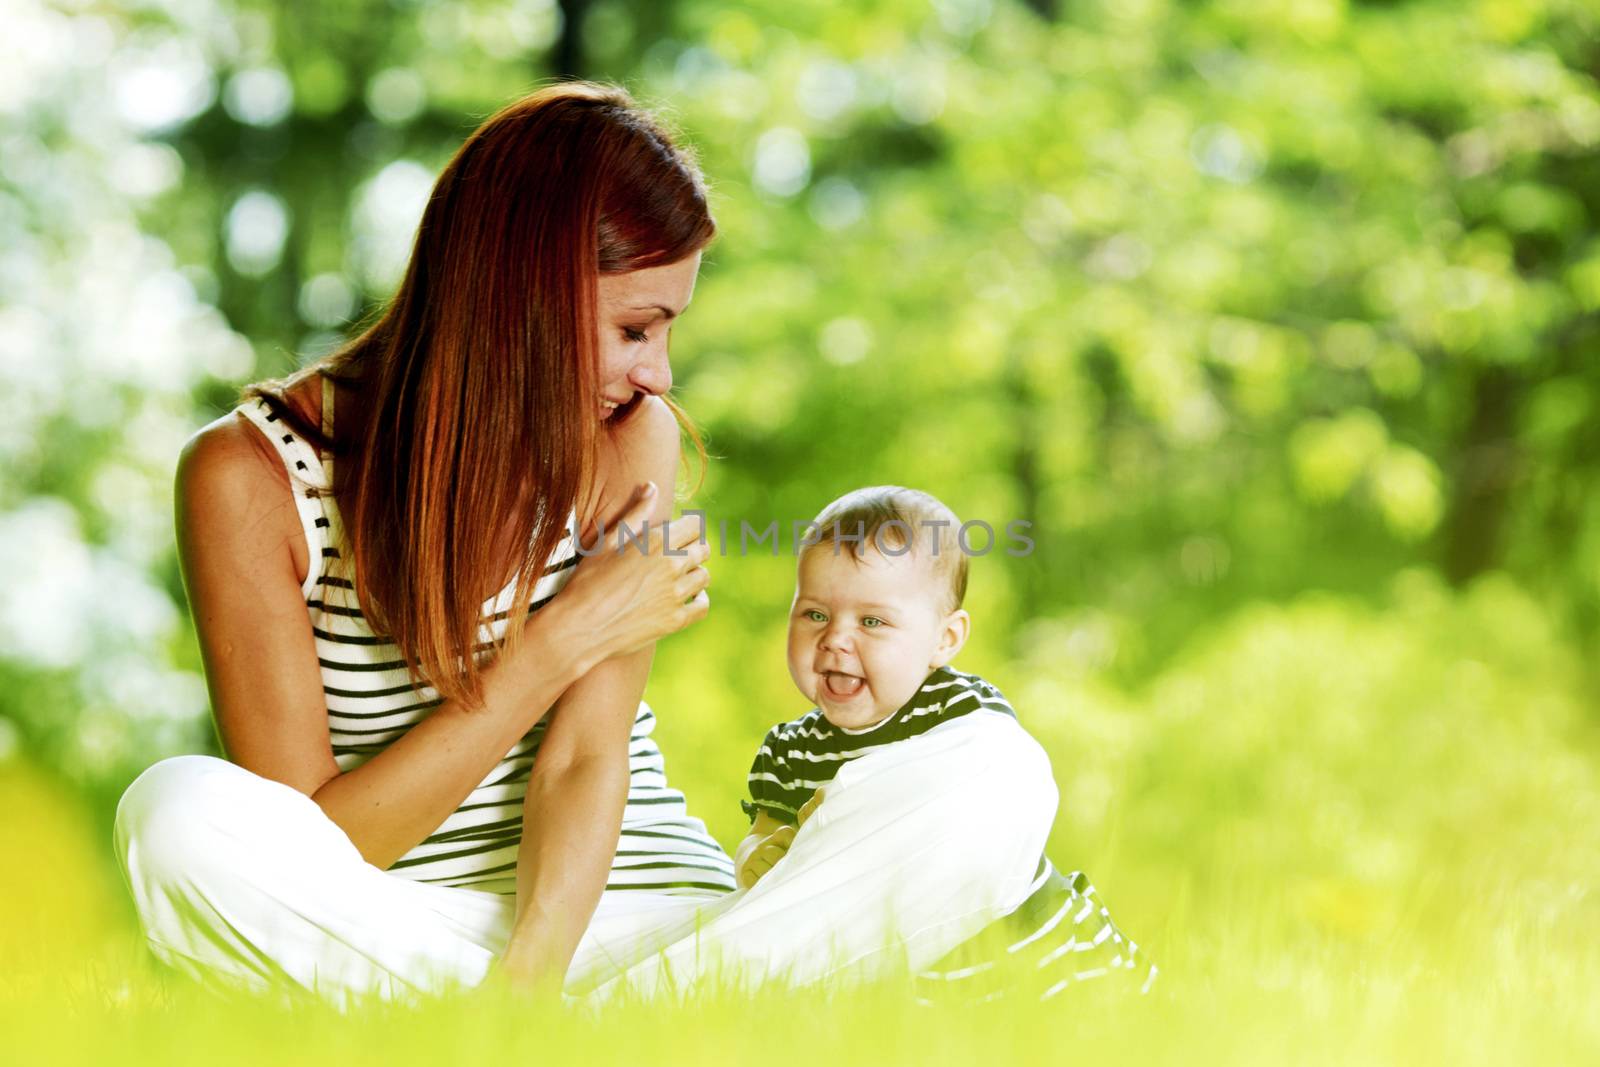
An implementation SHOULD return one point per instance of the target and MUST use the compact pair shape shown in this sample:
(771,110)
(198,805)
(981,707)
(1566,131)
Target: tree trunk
(567,59)
(1483,478)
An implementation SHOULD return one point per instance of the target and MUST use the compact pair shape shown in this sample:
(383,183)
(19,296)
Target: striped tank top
(371,703)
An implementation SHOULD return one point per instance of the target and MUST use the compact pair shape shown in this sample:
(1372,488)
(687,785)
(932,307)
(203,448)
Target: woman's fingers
(635,513)
(682,542)
(696,608)
(681,531)
(690,558)
(692,582)
(678,538)
(699,552)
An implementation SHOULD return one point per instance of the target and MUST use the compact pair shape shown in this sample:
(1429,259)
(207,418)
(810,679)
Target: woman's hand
(632,591)
(523,969)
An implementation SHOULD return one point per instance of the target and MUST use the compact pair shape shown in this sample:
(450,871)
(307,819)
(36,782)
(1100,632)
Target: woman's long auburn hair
(479,380)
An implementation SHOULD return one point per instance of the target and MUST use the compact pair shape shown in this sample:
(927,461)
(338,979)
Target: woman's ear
(957,625)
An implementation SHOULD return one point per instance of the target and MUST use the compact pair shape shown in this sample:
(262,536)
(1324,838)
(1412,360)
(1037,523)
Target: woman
(373,550)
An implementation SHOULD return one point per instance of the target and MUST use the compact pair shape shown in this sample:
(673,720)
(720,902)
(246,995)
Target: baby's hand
(808,807)
(764,855)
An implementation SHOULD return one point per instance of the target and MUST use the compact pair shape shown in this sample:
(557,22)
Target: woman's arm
(244,559)
(572,814)
(238,532)
(402,794)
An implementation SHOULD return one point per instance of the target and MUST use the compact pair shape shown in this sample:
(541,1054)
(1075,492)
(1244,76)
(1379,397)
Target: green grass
(1346,835)
(1240,998)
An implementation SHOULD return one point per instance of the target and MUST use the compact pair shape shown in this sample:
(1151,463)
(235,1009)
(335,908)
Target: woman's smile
(609,406)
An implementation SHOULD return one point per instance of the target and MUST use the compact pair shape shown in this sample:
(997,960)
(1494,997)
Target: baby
(875,623)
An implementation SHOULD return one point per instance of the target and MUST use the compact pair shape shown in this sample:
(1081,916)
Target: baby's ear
(957,625)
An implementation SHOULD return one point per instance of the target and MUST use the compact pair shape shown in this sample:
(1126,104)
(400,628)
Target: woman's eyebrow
(666,311)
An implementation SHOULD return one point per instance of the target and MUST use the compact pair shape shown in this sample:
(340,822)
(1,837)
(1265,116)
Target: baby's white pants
(244,881)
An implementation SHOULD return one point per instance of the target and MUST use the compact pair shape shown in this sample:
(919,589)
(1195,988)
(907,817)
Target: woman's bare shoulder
(230,457)
(229,454)
(232,492)
(647,448)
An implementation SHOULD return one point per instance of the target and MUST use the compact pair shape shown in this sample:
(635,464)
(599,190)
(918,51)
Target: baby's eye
(815,616)
(638,337)
(871,622)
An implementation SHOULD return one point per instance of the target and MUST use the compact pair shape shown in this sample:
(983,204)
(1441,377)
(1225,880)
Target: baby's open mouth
(841,686)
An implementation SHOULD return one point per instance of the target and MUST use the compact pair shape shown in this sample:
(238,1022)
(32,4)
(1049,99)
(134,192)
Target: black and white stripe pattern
(799,757)
(372,702)
(1059,935)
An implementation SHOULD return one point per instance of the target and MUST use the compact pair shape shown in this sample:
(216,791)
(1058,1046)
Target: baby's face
(863,635)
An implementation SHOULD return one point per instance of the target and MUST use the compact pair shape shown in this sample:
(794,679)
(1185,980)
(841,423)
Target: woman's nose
(653,373)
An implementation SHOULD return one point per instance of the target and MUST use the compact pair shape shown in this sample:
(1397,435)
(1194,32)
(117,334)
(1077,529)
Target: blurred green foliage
(1228,300)
(1277,320)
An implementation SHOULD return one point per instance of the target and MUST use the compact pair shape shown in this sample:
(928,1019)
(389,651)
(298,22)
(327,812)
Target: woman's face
(636,314)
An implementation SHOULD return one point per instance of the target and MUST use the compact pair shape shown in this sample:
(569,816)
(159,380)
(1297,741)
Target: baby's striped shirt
(800,756)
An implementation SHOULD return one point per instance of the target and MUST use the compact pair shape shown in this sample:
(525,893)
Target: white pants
(916,846)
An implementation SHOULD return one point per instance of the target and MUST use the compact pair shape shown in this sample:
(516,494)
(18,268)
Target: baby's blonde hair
(890,518)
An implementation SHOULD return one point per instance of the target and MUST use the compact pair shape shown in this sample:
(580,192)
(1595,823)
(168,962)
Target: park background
(1275,318)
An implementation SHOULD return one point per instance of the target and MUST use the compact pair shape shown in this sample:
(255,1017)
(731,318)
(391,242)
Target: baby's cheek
(797,674)
(898,683)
